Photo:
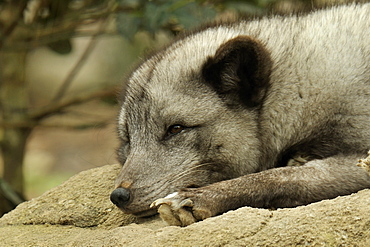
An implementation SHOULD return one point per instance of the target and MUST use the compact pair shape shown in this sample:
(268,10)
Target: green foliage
(177,15)
(252,7)
(170,15)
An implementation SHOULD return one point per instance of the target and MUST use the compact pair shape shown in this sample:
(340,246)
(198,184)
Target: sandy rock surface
(79,213)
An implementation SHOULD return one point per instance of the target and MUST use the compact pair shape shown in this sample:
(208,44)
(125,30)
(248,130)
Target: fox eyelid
(175,129)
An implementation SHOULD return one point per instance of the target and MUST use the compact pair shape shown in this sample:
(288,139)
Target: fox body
(215,119)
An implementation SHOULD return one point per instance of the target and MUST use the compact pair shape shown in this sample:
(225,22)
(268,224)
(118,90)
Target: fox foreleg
(274,188)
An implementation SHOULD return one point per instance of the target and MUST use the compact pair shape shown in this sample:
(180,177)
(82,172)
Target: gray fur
(309,96)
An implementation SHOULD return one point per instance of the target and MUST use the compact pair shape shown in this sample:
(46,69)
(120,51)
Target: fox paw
(365,163)
(177,210)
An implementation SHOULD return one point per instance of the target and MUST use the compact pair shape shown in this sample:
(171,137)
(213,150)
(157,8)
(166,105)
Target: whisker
(164,183)
(188,172)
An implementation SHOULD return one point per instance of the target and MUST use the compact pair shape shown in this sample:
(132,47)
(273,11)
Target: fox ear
(240,70)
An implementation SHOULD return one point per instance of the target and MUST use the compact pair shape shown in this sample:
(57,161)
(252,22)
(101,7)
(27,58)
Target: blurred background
(62,64)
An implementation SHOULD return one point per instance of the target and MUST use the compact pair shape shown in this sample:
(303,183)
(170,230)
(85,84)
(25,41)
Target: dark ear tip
(208,70)
(240,66)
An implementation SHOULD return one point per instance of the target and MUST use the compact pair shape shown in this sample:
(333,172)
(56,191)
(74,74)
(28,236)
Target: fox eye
(175,129)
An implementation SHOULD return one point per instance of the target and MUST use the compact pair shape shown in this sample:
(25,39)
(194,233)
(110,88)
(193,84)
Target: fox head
(188,117)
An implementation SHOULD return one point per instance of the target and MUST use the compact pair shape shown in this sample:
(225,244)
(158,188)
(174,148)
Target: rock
(79,213)
(82,201)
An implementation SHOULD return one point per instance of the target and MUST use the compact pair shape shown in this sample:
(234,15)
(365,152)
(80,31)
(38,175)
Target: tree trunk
(13,110)
(13,104)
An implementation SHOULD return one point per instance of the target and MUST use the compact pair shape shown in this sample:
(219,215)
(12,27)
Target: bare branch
(67,82)
(36,34)
(9,193)
(33,124)
(57,107)
(14,12)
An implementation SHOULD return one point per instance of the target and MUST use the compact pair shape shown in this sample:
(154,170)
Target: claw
(159,202)
(166,200)
(365,163)
(175,211)
(186,203)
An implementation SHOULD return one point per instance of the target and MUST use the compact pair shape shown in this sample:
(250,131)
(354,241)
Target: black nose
(120,197)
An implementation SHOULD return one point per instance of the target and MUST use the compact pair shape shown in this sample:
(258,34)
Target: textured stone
(79,213)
